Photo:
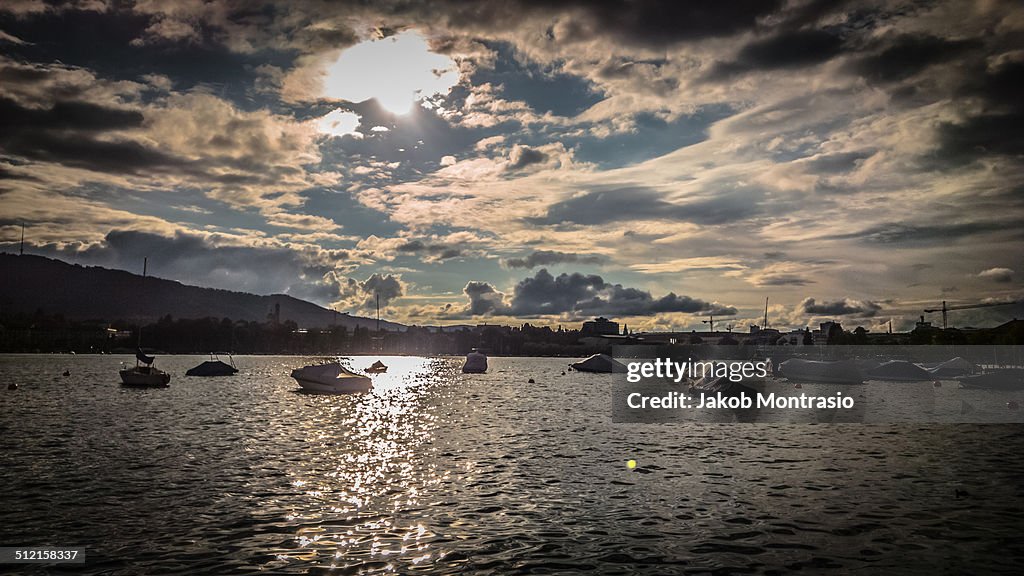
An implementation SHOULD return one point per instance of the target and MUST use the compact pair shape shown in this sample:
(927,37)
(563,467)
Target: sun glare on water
(397,71)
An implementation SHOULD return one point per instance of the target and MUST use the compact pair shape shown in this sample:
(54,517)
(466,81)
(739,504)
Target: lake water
(440,472)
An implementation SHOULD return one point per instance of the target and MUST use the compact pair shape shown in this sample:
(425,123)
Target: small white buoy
(797,385)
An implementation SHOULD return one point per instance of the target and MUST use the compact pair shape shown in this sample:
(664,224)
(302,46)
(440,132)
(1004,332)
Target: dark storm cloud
(651,23)
(997,131)
(783,280)
(845,307)
(193,259)
(523,156)
(902,233)
(103,41)
(118,157)
(363,294)
(484,300)
(80,116)
(837,163)
(787,50)
(549,257)
(658,22)
(67,133)
(589,294)
(578,294)
(980,137)
(638,203)
(435,251)
(908,54)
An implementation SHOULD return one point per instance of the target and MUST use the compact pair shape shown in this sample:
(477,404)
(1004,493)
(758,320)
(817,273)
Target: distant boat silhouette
(377,367)
(600,363)
(476,363)
(214,367)
(144,374)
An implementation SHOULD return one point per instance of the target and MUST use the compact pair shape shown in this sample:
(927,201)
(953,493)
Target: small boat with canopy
(144,374)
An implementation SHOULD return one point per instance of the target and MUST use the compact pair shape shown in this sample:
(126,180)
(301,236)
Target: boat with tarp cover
(214,367)
(822,372)
(144,374)
(331,378)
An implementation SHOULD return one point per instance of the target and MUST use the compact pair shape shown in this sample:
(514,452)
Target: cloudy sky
(502,161)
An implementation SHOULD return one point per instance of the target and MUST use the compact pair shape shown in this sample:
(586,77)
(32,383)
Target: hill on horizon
(29,283)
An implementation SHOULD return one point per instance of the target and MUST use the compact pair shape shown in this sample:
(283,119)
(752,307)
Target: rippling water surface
(440,472)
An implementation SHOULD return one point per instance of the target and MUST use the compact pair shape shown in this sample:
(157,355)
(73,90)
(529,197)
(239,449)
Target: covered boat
(331,378)
(953,368)
(601,363)
(144,374)
(899,371)
(377,367)
(1003,379)
(476,363)
(868,364)
(838,372)
(214,367)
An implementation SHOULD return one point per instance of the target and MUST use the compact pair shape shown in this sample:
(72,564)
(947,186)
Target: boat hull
(331,378)
(996,380)
(349,386)
(151,378)
(214,368)
(476,363)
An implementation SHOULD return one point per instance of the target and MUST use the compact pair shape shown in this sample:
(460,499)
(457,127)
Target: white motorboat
(331,378)
(599,363)
(476,363)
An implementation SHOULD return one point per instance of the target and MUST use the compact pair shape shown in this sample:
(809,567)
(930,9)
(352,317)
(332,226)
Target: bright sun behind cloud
(397,71)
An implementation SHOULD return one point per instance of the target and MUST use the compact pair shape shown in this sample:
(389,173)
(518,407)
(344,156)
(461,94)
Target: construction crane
(946,309)
(710,322)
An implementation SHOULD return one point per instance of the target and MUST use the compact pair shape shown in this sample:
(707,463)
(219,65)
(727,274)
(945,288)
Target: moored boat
(953,368)
(476,363)
(377,367)
(144,374)
(599,363)
(898,371)
(331,378)
(1000,379)
(838,372)
(214,367)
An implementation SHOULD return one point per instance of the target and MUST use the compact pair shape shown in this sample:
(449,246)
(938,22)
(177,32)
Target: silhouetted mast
(145,264)
(765,324)
(378,313)
(22,251)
